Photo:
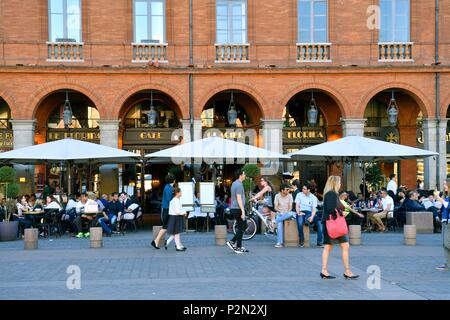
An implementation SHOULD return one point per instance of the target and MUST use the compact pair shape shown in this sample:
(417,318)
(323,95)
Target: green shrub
(7,174)
(12,190)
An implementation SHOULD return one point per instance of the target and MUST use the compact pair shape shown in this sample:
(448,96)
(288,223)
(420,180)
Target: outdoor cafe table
(366,211)
(34,215)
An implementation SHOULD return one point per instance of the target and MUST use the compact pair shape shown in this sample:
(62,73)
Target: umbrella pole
(143,185)
(69,179)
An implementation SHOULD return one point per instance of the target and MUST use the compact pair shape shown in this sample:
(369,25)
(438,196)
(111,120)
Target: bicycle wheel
(250,231)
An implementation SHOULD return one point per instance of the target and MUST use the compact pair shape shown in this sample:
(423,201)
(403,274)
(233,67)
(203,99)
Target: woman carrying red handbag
(334,231)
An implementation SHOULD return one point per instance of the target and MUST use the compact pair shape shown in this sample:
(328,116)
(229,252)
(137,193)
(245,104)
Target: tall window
(64,20)
(394,25)
(149,21)
(312,21)
(231,21)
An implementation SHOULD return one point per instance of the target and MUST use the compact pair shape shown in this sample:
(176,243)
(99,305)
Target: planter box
(8,230)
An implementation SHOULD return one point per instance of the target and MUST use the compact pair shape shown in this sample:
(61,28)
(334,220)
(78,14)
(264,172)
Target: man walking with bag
(238,212)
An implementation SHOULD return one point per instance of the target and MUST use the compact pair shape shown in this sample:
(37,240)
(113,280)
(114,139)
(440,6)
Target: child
(175,224)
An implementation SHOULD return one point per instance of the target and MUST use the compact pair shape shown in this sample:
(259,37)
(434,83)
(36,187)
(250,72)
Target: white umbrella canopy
(68,149)
(215,149)
(357,148)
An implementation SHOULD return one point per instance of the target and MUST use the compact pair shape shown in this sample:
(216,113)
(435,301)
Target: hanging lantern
(232,113)
(313,111)
(67,112)
(392,111)
(152,115)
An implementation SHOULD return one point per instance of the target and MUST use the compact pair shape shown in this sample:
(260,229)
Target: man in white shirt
(387,204)
(392,184)
(306,207)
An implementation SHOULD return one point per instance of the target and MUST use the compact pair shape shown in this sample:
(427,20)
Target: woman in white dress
(175,224)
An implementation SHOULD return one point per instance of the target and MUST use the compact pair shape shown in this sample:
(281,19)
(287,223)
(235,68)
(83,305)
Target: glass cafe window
(137,116)
(149,21)
(312,21)
(84,116)
(5,115)
(395,20)
(64,20)
(231,21)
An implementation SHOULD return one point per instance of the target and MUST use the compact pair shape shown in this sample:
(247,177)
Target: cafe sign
(144,136)
(388,134)
(88,135)
(6,140)
(304,135)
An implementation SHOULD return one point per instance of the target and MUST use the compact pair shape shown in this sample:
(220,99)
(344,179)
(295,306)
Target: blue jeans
(303,219)
(111,221)
(280,221)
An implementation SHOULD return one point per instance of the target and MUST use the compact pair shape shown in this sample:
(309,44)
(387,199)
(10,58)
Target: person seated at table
(306,203)
(387,205)
(52,203)
(413,204)
(22,207)
(131,211)
(32,201)
(109,219)
(81,217)
(351,215)
(283,208)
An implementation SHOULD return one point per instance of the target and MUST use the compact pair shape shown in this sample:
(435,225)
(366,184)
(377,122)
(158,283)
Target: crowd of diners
(58,213)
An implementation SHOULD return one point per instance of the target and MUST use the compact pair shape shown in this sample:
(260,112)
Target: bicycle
(252,226)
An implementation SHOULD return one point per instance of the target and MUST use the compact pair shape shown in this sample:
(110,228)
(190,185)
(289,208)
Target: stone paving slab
(128,268)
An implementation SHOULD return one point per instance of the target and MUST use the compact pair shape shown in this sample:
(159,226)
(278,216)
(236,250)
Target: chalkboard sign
(187,195)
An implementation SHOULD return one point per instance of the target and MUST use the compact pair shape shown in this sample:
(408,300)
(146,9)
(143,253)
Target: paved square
(128,268)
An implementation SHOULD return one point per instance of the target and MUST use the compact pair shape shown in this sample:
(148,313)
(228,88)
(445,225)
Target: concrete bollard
(96,237)
(306,233)
(409,232)
(156,230)
(355,235)
(221,234)
(290,233)
(31,239)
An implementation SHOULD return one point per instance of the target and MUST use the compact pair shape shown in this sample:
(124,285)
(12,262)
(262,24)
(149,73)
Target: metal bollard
(409,232)
(355,235)
(96,237)
(221,234)
(31,239)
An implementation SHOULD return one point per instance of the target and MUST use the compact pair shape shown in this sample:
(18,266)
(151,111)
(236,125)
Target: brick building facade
(271,72)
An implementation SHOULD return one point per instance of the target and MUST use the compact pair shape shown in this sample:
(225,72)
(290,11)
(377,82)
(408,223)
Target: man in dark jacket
(412,204)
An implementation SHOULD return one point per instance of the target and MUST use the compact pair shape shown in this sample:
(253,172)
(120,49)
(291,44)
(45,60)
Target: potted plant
(8,228)
(251,171)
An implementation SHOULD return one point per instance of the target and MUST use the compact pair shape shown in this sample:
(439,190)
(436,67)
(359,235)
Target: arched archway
(404,130)
(150,121)
(311,116)
(51,126)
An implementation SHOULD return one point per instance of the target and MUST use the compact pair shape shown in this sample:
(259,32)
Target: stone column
(429,143)
(353,174)
(109,136)
(23,132)
(272,135)
(442,140)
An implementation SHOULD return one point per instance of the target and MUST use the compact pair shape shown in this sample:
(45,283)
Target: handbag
(336,227)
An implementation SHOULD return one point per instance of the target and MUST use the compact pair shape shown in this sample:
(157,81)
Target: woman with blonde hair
(331,203)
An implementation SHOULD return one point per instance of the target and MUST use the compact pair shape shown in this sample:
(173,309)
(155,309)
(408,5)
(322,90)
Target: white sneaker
(240,250)
(231,245)
(279,245)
